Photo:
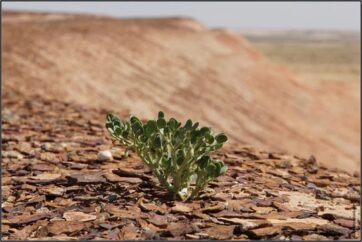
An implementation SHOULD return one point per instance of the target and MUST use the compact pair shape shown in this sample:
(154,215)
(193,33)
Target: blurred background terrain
(313,55)
(293,91)
(327,58)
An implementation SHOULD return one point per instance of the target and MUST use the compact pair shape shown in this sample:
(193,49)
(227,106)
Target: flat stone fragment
(333,229)
(55,191)
(78,216)
(192,236)
(215,208)
(147,207)
(229,214)
(178,229)
(88,177)
(61,226)
(222,196)
(181,208)
(220,232)
(246,224)
(115,178)
(122,213)
(61,237)
(129,232)
(315,237)
(42,167)
(295,237)
(311,222)
(348,223)
(25,219)
(12,154)
(150,234)
(266,232)
(130,173)
(46,176)
(25,148)
(262,210)
(158,220)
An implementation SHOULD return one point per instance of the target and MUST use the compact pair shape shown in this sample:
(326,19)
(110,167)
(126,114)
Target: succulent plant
(176,154)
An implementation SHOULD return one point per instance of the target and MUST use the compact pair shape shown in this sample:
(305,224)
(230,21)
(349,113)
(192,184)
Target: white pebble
(104,155)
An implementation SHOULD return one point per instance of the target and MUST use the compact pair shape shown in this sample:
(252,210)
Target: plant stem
(194,192)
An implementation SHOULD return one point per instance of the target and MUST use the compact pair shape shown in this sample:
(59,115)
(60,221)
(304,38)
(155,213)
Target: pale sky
(239,15)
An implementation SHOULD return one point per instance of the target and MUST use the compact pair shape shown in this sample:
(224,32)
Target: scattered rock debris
(60,182)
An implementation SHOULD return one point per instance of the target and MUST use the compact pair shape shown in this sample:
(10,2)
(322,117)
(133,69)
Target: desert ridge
(181,67)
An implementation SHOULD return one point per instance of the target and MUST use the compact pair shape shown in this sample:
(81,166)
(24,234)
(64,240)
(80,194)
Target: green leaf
(220,167)
(143,138)
(109,117)
(221,138)
(179,134)
(172,124)
(179,157)
(212,170)
(117,131)
(194,136)
(157,142)
(166,130)
(161,123)
(209,138)
(134,119)
(161,115)
(193,139)
(150,128)
(125,134)
(204,130)
(203,161)
(188,124)
(110,126)
(137,128)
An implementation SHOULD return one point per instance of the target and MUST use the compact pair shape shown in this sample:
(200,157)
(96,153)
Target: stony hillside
(188,71)
(55,188)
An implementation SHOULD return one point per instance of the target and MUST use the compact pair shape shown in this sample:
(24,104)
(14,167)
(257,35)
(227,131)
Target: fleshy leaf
(161,114)
(221,138)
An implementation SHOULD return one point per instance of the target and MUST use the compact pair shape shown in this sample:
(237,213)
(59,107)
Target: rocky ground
(54,186)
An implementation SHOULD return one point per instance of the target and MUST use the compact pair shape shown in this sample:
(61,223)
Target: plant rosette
(175,154)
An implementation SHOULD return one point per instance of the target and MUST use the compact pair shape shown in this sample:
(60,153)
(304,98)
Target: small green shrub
(174,153)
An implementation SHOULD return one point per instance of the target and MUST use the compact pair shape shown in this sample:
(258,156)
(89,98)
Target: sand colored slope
(188,71)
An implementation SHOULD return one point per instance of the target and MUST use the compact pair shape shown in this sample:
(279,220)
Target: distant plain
(312,55)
